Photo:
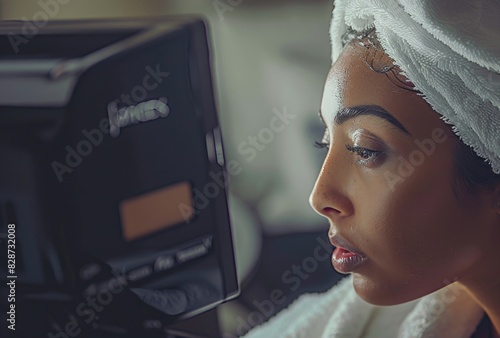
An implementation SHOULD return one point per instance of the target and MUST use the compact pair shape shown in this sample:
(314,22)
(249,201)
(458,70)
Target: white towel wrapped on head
(450,50)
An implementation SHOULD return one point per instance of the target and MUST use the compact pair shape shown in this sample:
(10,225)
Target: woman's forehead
(352,81)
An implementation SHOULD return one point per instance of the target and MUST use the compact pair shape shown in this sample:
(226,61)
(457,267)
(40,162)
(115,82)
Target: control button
(211,151)
(140,273)
(169,301)
(208,242)
(89,271)
(196,250)
(152,324)
(192,253)
(163,263)
(218,146)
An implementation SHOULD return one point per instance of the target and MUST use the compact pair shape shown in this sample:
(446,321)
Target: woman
(410,183)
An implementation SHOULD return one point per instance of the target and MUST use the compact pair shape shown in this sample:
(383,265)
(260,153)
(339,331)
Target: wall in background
(269,58)
(73,9)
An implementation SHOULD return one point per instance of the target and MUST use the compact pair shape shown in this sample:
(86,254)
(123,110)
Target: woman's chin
(384,294)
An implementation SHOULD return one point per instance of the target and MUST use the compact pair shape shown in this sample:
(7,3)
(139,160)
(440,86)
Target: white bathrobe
(341,313)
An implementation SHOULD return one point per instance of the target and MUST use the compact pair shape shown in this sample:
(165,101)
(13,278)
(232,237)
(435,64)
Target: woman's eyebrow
(348,113)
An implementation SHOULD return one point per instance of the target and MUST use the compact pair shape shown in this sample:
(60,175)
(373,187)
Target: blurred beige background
(74,9)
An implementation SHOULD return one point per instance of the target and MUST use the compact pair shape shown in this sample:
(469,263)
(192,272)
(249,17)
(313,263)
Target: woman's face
(386,186)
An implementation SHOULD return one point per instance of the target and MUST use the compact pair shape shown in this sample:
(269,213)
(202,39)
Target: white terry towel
(341,313)
(450,50)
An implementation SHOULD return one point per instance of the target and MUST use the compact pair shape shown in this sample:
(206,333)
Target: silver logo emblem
(142,112)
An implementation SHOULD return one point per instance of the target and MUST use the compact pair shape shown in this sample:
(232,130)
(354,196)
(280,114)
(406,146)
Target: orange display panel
(158,210)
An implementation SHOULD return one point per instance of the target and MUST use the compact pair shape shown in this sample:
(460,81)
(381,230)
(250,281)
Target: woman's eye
(366,155)
(324,143)
(321,144)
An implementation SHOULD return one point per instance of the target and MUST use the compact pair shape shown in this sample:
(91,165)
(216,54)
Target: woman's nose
(329,197)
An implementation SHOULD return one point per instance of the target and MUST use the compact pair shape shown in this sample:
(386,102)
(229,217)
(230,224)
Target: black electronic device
(112,178)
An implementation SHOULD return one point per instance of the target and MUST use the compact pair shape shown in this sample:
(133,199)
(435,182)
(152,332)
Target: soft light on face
(386,186)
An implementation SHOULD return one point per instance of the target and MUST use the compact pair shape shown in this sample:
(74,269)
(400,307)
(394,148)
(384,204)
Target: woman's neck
(483,284)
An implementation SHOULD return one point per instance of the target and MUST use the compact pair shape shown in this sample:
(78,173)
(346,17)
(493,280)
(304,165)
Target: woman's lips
(345,261)
(346,258)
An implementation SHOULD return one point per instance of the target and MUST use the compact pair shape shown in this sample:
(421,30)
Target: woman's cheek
(392,225)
